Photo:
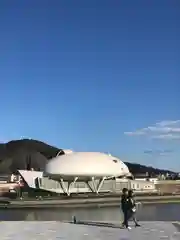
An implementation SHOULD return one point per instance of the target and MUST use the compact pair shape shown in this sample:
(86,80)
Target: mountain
(25,154)
(136,169)
(29,153)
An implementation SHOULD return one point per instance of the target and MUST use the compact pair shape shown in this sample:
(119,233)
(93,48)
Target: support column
(92,190)
(94,184)
(67,190)
(69,185)
(93,187)
(63,186)
(101,182)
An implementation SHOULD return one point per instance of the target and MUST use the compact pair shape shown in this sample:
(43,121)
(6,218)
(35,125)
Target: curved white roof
(67,151)
(86,164)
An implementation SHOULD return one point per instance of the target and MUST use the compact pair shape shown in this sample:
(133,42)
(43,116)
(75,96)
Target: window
(115,161)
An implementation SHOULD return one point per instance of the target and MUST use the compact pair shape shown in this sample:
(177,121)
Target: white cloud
(167,136)
(158,152)
(161,130)
(167,123)
(134,133)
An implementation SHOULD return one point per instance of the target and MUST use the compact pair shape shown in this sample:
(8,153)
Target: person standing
(132,208)
(125,207)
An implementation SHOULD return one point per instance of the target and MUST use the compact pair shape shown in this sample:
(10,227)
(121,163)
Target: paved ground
(66,231)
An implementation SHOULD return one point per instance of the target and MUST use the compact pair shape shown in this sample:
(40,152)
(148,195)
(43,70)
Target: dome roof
(86,164)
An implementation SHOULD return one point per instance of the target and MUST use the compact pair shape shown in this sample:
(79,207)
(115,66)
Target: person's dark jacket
(124,203)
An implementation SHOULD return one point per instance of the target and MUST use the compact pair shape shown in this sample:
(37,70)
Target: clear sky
(93,76)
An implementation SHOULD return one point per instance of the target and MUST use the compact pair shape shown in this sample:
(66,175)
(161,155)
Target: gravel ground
(65,231)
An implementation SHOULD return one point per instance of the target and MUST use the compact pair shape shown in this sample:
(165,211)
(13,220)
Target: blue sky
(91,75)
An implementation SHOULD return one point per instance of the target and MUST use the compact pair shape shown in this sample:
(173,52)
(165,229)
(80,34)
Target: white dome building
(66,173)
(85,165)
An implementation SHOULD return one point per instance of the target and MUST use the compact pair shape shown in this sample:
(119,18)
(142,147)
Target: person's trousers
(132,215)
(126,218)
